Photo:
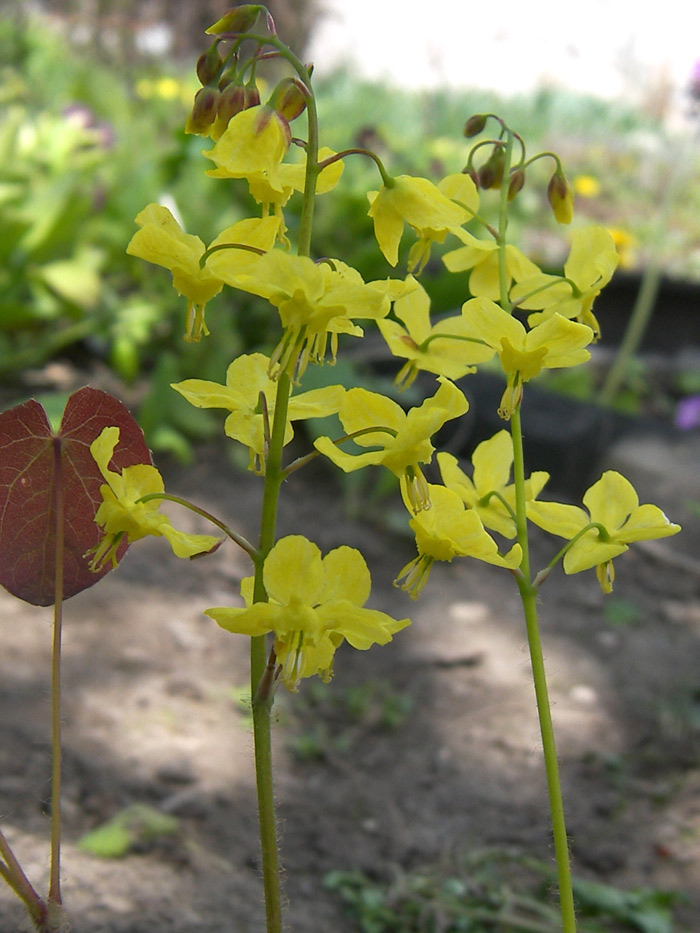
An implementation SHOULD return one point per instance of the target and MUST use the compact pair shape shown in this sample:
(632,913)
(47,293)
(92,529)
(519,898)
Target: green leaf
(75,280)
(131,827)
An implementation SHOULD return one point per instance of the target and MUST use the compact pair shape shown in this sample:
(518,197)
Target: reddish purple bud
(231,101)
(517,180)
(475,125)
(289,99)
(252,96)
(491,172)
(203,111)
(209,64)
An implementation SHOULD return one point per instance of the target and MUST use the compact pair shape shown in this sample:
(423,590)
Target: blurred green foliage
(85,145)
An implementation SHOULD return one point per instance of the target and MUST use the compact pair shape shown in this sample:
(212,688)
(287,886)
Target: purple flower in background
(688,412)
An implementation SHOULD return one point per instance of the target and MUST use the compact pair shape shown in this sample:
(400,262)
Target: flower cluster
(515,317)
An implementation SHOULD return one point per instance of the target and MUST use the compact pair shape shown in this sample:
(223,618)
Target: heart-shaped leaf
(33,462)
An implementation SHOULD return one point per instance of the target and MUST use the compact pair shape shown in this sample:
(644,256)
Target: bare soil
(152,715)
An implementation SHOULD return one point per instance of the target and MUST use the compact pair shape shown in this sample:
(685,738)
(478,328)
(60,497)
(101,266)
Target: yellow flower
(246,378)
(458,188)
(556,343)
(590,265)
(121,514)
(291,178)
(481,256)
(315,603)
(614,520)
(254,142)
(444,348)
(447,530)
(162,241)
(489,491)
(417,202)
(316,302)
(401,439)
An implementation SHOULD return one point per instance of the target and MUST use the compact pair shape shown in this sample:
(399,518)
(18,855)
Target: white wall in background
(610,48)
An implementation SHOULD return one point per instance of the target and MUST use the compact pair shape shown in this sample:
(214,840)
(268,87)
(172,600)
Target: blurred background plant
(93,101)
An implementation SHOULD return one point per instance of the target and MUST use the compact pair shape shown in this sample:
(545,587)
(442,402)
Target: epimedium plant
(89,490)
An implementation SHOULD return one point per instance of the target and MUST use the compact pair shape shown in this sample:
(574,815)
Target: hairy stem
(528,594)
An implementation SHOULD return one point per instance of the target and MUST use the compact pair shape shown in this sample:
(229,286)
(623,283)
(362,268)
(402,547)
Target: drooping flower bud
(288,99)
(203,111)
(209,64)
(517,180)
(475,124)
(561,197)
(240,19)
(491,172)
(231,101)
(252,96)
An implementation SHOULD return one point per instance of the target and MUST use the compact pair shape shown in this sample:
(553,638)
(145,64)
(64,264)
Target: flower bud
(288,99)
(231,101)
(561,197)
(475,125)
(209,64)
(517,180)
(252,96)
(239,19)
(491,172)
(203,111)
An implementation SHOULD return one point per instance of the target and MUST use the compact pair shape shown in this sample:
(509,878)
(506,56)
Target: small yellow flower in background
(164,87)
(402,438)
(626,244)
(444,348)
(254,142)
(162,241)
(586,186)
(447,530)
(613,503)
(554,344)
(315,603)
(589,267)
(492,461)
(246,378)
(120,514)
(481,256)
(416,202)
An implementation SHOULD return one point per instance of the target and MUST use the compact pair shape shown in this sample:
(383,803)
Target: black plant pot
(562,435)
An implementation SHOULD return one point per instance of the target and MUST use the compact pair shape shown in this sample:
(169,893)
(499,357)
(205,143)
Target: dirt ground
(152,715)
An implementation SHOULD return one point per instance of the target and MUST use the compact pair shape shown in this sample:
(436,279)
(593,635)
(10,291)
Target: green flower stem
(229,532)
(261,701)
(503,225)
(387,179)
(603,535)
(528,595)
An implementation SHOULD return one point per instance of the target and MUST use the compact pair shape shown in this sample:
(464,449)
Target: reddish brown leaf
(29,456)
